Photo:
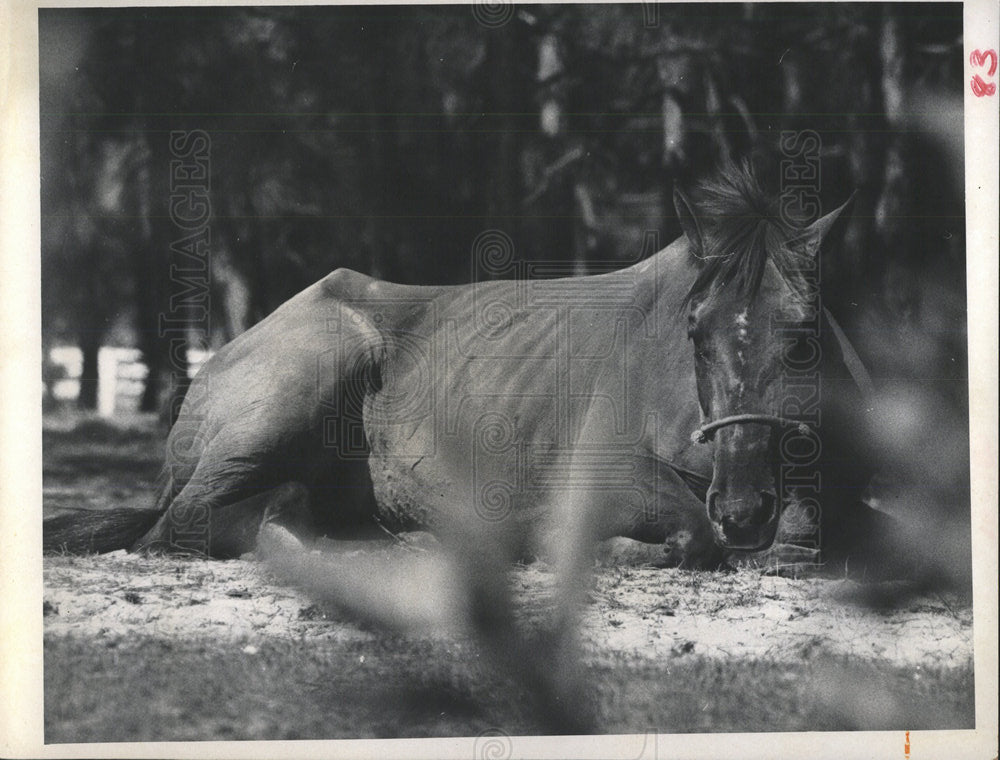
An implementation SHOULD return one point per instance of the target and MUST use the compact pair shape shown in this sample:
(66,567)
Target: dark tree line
(386,138)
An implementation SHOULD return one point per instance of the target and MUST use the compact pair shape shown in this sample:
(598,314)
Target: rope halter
(707,431)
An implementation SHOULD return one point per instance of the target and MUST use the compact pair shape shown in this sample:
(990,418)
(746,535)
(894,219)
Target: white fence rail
(121,376)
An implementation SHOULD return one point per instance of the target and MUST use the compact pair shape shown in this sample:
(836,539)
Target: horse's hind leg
(193,525)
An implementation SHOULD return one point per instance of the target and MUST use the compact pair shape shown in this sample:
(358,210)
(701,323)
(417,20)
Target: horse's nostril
(731,529)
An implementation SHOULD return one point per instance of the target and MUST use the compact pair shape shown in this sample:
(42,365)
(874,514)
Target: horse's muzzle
(737,528)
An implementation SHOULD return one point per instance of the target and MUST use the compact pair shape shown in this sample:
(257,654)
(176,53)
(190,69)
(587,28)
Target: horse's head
(757,279)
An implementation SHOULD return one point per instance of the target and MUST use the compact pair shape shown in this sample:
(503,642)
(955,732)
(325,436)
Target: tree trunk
(234,289)
(147,268)
(892,224)
(502,202)
(381,229)
(163,336)
(90,345)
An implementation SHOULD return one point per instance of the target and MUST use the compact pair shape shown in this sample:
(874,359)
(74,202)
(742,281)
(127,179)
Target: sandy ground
(641,612)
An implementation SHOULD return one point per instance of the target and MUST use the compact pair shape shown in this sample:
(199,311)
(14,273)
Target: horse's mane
(742,226)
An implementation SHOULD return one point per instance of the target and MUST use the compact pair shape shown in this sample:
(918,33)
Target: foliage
(387,138)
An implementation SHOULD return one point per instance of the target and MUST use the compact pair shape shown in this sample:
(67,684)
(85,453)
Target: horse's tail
(87,531)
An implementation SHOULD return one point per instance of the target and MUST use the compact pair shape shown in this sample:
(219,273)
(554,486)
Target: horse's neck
(665,368)
(673,274)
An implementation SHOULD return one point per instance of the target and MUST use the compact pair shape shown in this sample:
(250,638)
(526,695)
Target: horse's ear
(828,228)
(689,222)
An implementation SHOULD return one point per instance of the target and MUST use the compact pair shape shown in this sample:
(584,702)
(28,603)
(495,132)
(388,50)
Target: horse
(676,402)
(648,398)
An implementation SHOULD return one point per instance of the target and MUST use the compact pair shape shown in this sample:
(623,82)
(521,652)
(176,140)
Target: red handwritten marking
(980,87)
(906,746)
(978,58)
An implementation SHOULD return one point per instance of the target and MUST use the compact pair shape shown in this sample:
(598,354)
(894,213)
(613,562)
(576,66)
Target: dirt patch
(645,613)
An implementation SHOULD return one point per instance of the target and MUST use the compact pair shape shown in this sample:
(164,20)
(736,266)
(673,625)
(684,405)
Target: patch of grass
(93,463)
(158,690)
(147,689)
(694,694)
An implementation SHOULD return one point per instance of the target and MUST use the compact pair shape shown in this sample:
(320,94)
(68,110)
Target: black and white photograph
(505,380)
